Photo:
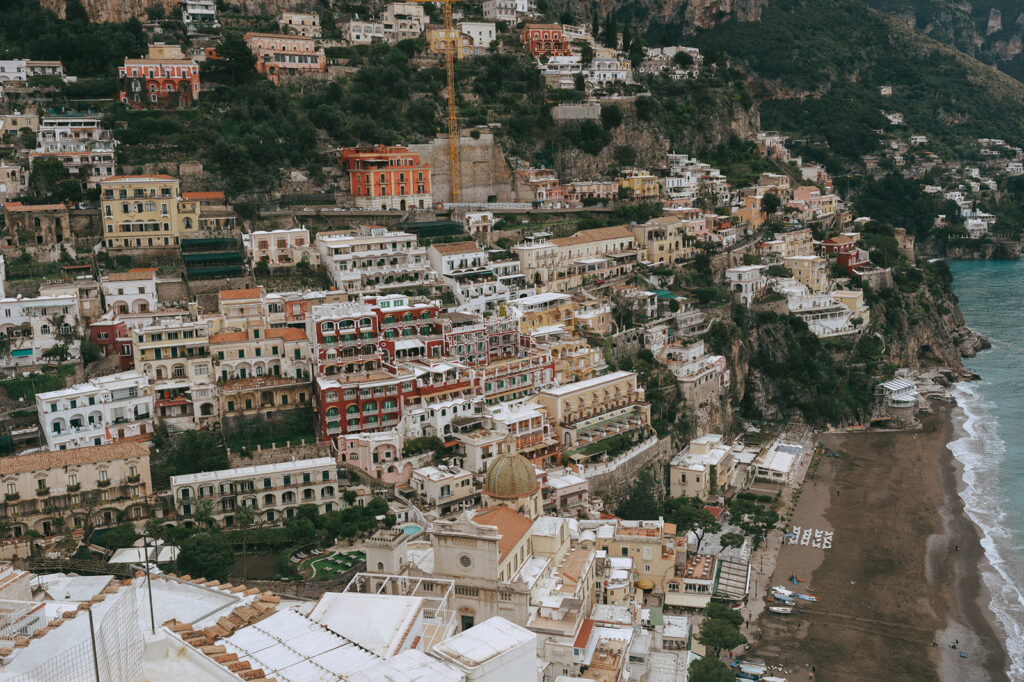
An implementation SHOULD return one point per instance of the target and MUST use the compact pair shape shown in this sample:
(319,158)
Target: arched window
(352,409)
(327,326)
(333,411)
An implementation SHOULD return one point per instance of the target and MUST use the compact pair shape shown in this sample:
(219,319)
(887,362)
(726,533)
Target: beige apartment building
(175,354)
(100,485)
(273,491)
(664,241)
(587,257)
(145,211)
(595,409)
(811,271)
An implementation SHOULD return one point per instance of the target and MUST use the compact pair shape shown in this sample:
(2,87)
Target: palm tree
(204,513)
(244,517)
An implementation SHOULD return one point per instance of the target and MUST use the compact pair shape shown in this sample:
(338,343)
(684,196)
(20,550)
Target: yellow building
(854,300)
(145,211)
(589,256)
(652,547)
(751,213)
(809,271)
(438,40)
(545,310)
(663,241)
(590,411)
(640,183)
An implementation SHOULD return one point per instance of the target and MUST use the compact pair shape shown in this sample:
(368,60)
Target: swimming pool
(411,529)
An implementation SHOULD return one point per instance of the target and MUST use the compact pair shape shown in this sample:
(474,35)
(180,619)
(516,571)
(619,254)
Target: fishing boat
(779,589)
(781,609)
(807,597)
(784,598)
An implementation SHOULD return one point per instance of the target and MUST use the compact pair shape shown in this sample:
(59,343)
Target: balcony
(74,487)
(12,497)
(102,484)
(133,479)
(42,492)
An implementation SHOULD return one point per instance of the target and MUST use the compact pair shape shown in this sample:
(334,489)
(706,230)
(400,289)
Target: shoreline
(893,587)
(971,593)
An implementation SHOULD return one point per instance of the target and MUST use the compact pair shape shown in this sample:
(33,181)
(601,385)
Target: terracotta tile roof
(453,248)
(838,239)
(595,235)
(18,207)
(584,636)
(237,294)
(131,275)
(287,333)
(229,337)
(195,196)
(140,177)
(54,459)
(512,526)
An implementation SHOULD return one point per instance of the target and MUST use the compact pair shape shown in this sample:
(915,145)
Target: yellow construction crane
(451,46)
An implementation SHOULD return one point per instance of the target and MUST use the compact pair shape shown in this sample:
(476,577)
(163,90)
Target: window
(103,475)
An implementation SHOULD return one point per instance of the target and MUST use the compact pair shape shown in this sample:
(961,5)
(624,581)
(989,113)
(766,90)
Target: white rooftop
(385,624)
(409,666)
(588,383)
(484,642)
(538,299)
(258,470)
(547,526)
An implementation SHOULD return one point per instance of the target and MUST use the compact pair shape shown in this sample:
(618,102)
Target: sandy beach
(895,592)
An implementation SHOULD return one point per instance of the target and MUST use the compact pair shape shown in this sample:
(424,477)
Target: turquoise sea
(992,450)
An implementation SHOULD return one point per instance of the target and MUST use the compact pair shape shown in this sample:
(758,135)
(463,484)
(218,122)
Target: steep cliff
(123,10)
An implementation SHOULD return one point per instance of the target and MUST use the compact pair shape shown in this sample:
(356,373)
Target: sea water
(991,296)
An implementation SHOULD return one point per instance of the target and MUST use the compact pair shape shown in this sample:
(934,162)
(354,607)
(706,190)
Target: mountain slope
(819,65)
(989,30)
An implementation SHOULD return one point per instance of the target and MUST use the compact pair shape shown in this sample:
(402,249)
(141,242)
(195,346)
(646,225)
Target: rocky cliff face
(123,10)
(989,30)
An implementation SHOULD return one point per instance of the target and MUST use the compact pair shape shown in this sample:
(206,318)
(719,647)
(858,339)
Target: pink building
(378,455)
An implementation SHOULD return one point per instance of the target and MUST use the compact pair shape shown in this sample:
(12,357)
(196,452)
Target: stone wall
(485,174)
(612,481)
(279,452)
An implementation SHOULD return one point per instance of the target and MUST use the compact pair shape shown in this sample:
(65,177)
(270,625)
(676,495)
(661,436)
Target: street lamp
(149,583)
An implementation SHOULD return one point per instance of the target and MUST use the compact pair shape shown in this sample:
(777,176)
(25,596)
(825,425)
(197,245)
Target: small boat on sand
(779,589)
(807,597)
(781,609)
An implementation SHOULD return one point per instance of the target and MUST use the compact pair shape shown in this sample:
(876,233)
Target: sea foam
(982,453)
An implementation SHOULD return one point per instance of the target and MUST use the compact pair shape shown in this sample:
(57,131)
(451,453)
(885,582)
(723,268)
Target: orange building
(278,54)
(164,79)
(387,177)
(545,39)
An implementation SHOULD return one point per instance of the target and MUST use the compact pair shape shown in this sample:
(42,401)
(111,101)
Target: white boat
(779,589)
(781,609)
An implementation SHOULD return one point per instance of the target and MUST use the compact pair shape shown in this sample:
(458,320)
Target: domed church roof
(510,476)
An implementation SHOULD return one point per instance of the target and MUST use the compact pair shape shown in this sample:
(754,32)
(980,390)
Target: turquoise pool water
(411,529)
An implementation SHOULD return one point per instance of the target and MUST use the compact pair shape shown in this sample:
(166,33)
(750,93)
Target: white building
(701,468)
(174,353)
(560,71)
(501,10)
(13,71)
(198,15)
(300,23)
(101,411)
(273,491)
(35,325)
(403,21)
(358,32)
(130,292)
(481,32)
(446,487)
(81,143)
(373,259)
(280,248)
(481,222)
(746,281)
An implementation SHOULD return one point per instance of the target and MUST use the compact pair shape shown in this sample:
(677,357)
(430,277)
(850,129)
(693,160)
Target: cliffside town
(527,400)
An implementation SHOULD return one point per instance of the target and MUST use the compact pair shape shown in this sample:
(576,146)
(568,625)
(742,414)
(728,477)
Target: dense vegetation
(841,52)
(27,31)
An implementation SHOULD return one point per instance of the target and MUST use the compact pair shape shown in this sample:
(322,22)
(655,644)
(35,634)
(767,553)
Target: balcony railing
(74,487)
(42,492)
(12,497)
(102,484)
(134,479)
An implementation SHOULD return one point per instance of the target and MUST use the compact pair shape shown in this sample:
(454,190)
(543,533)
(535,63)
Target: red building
(366,401)
(545,39)
(112,336)
(285,55)
(346,338)
(387,177)
(152,83)
(838,244)
(407,330)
